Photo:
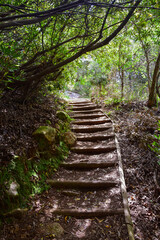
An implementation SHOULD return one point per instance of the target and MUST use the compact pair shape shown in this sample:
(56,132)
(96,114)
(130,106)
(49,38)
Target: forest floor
(134,125)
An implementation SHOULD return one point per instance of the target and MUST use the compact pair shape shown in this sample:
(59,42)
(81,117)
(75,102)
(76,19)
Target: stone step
(91,129)
(88,116)
(91,122)
(95,138)
(93,150)
(88,165)
(61,183)
(89,213)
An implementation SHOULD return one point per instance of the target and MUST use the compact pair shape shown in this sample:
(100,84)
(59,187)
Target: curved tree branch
(94,45)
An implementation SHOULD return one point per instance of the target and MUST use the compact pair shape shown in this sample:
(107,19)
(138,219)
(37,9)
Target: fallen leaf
(65,218)
(108,226)
(99,220)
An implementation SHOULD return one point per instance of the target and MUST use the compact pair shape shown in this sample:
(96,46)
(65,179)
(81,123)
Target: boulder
(52,228)
(63,116)
(70,138)
(45,137)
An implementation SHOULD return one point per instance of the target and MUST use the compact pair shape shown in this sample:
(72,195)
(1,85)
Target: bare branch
(105,18)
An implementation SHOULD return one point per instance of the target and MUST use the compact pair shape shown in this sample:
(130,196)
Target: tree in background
(39,38)
(147,32)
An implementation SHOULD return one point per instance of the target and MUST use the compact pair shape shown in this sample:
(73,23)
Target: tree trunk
(152,101)
(122,83)
(100,90)
(148,69)
(158,86)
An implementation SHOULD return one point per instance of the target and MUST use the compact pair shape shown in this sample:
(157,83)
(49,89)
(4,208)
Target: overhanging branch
(94,45)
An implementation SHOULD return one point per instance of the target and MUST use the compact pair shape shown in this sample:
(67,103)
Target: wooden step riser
(92,122)
(96,185)
(87,112)
(87,166)
(87,116)
(78,103)
(85,213)
(90,130)
(93,150)
(94,138)
(81,104)
(82,108)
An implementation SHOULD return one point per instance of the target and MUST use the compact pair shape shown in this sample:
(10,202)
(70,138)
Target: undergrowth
(29,175)
(155,146)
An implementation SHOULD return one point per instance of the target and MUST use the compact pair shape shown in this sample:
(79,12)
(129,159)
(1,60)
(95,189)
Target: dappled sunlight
(81,227)
(113,174)
(79,114)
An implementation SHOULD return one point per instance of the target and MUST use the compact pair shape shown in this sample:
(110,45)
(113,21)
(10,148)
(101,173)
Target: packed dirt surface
(139,167)
(17,123)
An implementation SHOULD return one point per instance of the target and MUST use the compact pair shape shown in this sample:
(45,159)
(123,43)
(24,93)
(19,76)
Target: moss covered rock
(52,228)
(45,137)
(70,138)
(63,116)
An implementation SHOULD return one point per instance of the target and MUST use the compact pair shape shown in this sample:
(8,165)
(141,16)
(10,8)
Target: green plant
(155,147)
(30,175)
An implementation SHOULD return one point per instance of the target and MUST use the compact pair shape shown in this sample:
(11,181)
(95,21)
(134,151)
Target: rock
(63,116)
(52,228)
(13,189)
(46,137)
(62,101)
(70,138)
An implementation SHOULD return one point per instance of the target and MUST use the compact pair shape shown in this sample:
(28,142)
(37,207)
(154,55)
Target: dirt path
(89,180)
(85,200)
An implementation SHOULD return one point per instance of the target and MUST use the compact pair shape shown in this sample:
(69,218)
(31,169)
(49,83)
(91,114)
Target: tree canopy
(38,38)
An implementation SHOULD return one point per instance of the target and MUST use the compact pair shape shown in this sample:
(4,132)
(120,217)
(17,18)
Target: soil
(19,121)
(139,166)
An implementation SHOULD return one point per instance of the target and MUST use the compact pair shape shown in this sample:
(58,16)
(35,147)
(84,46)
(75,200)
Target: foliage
(155,147)
(45,41)
(30,174)
(127,63)
(141,127)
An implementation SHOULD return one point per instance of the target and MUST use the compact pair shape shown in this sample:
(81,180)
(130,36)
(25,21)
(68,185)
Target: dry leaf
(66,217)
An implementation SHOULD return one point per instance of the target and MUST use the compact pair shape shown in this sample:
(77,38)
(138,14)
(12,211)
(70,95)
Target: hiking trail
(90,183)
